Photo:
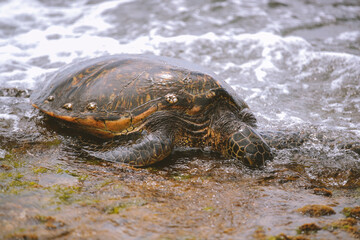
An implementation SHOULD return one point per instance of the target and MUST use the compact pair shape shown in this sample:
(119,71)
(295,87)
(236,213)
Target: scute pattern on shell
(123,90)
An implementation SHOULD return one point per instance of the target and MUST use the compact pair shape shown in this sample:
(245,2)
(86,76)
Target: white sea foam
(64,43)
(47,34)
(12,119)
(2,153)
(8,116)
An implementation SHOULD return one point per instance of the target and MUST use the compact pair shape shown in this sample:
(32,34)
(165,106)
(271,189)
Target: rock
(323,192)
(309,227)
(315,210)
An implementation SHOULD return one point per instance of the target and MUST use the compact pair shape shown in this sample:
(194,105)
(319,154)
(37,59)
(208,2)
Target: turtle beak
(248,146)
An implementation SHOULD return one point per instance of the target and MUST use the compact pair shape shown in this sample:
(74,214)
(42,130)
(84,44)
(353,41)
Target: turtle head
(248,146)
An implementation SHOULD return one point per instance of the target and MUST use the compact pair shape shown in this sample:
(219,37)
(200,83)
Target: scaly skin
(226,132)
(247,145)
(149,149)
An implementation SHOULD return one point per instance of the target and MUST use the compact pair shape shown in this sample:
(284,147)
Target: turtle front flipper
(247,145)
(149,149)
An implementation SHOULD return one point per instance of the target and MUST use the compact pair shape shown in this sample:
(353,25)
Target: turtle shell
(113,95)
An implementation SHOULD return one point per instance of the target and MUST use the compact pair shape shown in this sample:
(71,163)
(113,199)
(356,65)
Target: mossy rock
(315,210)
(308,228)
(323,192)
(343,223)
(352,212)
(283,236)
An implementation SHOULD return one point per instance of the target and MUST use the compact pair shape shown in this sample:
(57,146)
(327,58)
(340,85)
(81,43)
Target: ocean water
(296,63)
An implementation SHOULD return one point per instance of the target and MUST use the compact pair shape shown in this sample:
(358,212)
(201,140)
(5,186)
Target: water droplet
(91,106)
(68,106)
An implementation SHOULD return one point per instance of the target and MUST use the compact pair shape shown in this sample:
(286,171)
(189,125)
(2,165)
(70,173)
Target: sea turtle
(166,101)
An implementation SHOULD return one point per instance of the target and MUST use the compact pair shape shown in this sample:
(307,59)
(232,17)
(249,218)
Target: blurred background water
(296,63)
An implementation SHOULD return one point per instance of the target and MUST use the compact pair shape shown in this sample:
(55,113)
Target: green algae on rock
(315,210)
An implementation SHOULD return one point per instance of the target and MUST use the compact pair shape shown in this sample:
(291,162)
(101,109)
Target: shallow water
(296,63)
